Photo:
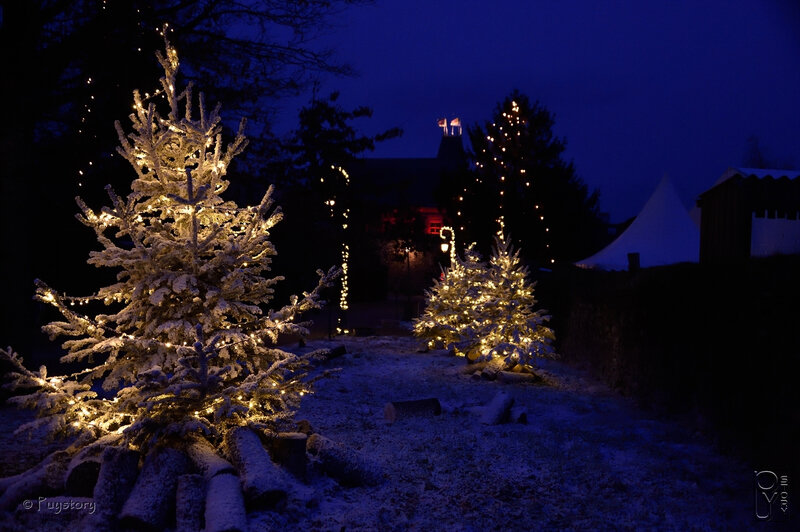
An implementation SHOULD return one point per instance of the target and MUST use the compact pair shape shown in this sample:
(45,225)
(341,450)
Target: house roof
(763,190)
(407,181)
(758,173)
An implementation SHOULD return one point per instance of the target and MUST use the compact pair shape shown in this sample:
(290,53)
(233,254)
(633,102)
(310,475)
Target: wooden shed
(750,212)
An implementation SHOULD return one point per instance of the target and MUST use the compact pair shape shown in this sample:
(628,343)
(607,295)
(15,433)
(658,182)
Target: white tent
(662,233)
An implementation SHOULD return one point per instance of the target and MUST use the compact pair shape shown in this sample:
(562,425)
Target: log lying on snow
(118,471)
(225,509)
(41,480)
(336,352)
(498,410)
(418,407)
(6,482)
(289,450)
(205,458)
(189,502)
(152,500)
(489,373)
(510,377)
(473,367)
(344,465)
(264,484)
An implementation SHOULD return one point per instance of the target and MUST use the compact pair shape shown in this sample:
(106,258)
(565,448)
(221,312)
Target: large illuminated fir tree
(521,179)
(448,319)
(186,341)
(487,312)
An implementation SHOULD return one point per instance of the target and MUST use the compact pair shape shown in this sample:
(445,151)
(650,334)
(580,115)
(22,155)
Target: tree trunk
(189,503)
(404,409)
(342,464)
(225,510)
(152,500)
(264,484)
(498,410)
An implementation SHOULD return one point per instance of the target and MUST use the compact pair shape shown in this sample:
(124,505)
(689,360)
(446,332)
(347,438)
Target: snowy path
(586,460)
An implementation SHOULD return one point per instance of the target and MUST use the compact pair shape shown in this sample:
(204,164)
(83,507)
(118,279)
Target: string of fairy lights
(504,133)
(85,129)
(344,304)
(81,411)
(98,325)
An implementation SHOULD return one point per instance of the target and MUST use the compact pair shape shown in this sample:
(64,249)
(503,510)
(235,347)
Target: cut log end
(289,450)
(82,477)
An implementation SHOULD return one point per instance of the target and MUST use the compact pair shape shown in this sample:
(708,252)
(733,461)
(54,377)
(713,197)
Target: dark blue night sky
(639,89)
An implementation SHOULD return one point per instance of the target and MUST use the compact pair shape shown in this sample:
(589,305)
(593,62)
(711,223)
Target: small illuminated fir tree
(448,319)
(189,344)
(487,312)
(507,325)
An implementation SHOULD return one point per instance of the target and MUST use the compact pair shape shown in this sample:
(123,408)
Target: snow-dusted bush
(186,342)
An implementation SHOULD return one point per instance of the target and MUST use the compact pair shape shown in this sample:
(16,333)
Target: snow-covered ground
(587,459)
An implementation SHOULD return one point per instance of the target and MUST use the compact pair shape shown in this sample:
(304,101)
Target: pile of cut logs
(189,487)
(492,370)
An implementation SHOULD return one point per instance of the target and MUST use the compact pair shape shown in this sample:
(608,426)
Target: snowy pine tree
(189,344)
(448,319)
(487,312)
(508,327)
(521,179)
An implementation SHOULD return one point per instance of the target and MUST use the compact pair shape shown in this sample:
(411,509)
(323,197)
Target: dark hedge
(719,346)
